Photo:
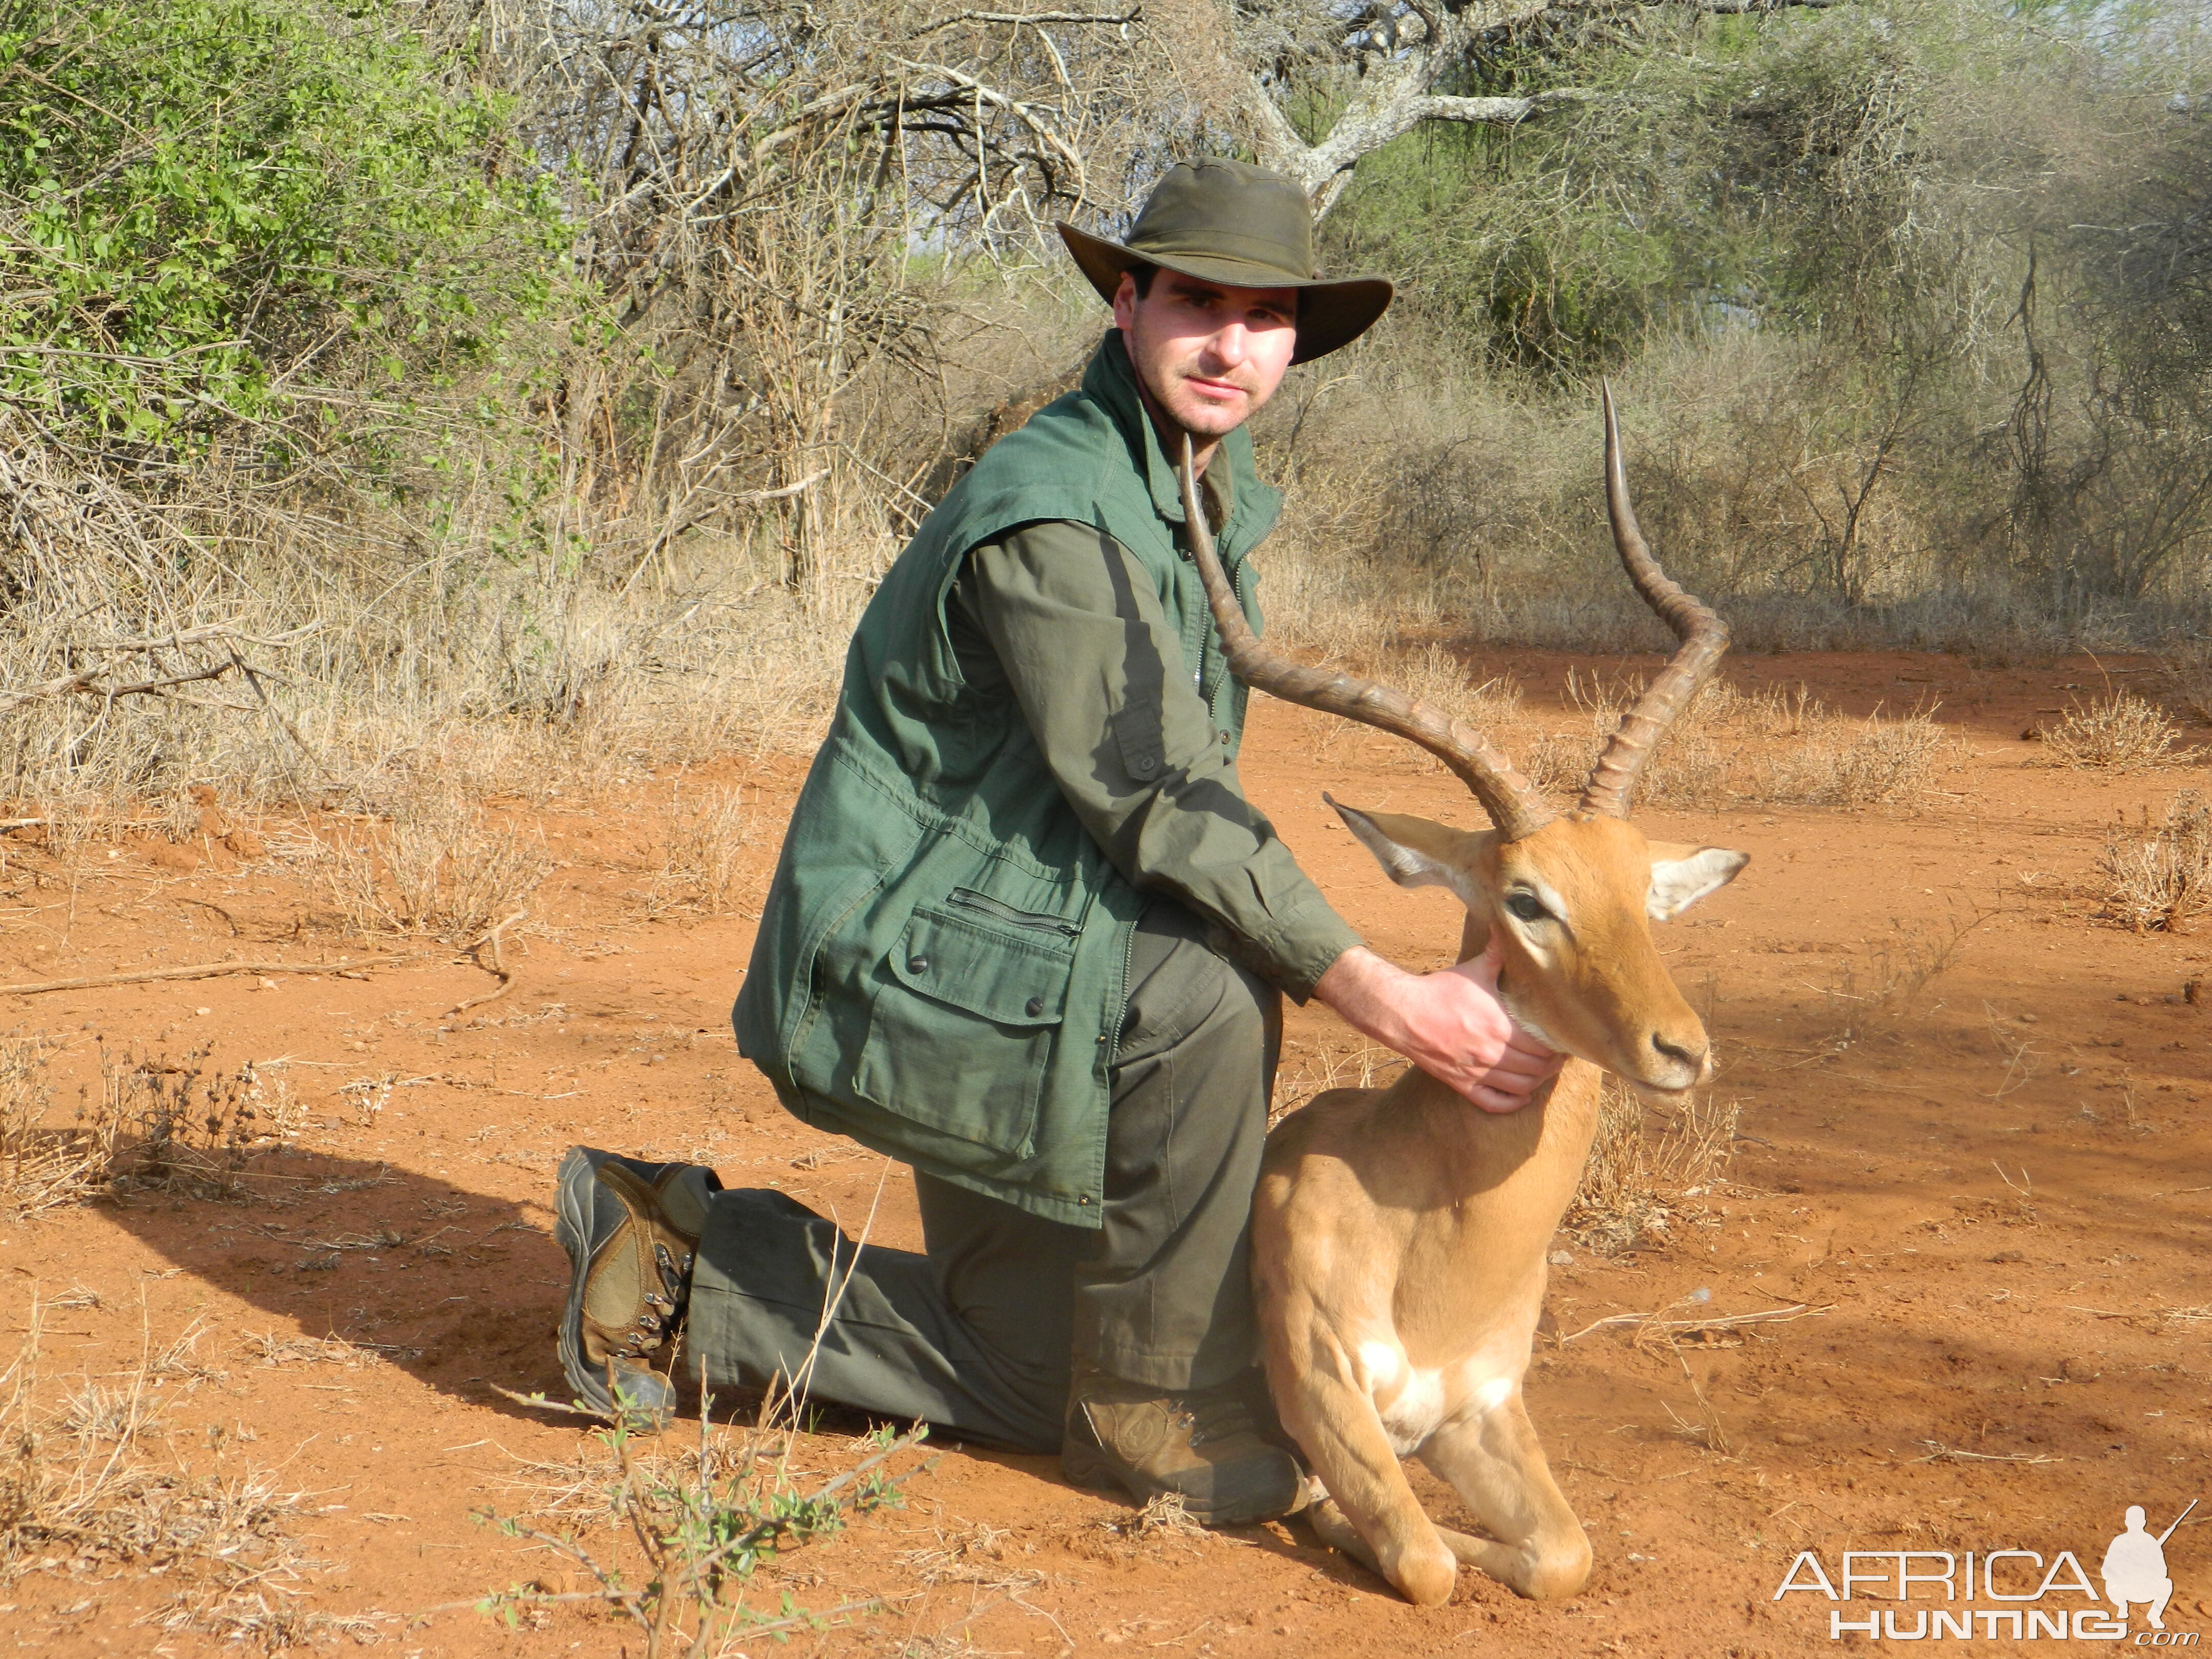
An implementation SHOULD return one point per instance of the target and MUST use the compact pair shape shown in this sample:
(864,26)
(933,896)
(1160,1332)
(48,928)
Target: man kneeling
(1027,935)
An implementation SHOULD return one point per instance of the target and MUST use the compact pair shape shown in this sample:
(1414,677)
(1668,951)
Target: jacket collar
(1110,381)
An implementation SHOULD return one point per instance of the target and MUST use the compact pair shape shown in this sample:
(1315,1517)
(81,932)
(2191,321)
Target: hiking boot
(630,1229)
(1203,1445)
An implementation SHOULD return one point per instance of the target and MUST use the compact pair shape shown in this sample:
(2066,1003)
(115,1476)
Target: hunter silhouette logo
(2135,1567)
(2026,1596)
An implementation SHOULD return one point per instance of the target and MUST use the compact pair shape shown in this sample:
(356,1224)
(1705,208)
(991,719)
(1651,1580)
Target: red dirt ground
(2006,1241)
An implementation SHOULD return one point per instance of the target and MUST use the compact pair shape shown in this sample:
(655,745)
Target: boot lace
(1215,1417)
(663,1309)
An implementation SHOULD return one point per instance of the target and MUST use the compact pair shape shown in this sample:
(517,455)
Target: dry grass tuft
(1692,775)
(954,1643)
(2159,879)
(174,1127)
(2117,733)
(1879,983)
(973,1555)
(1162,1529)
(1697,1144)
(1617,1205)
(1437,674)
(156,1125)
(179,1361)
(38,1168)
(273,1622)
(439,868)
(701,847)
(1783,750)
(272,1349)
(1771,747)
(1319,1071)
(1631,1175)
(1165,1512)
(1891,762)
(1560,761)
(1430,671)
(83,1485)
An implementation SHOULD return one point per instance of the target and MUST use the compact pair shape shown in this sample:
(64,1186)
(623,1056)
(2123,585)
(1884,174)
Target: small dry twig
(1651,1323)
(1940,1453)
(498,965)
(201,970)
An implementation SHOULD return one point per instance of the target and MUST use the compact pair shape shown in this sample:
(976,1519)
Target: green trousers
(980,1331)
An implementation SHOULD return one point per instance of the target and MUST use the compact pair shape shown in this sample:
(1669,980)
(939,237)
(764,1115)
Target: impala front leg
(1381,1524)
(1492,1459)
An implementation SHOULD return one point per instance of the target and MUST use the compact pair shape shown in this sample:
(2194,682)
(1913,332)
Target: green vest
(940,970)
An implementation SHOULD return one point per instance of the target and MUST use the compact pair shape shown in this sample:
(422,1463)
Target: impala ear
(1680,876)
(1412,852)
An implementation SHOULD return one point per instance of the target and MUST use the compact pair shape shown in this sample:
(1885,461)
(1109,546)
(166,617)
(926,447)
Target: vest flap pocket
(963,1026)
(1140,731)
(1010,974)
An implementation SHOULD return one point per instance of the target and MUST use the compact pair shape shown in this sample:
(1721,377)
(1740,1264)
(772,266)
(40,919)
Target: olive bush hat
(1243,227)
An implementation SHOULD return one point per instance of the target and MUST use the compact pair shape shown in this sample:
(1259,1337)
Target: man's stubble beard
(1162,413)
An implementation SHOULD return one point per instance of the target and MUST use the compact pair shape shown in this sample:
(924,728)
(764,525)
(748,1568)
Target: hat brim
(1331,314)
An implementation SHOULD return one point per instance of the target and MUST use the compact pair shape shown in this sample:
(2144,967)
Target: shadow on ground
(458,1289)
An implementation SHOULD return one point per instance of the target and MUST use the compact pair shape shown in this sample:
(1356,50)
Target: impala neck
(1527,1160)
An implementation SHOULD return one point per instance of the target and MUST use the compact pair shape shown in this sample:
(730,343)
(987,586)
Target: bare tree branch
(1335,157)
(1739,7)
(1398,77)
(1129,16)
(85,685)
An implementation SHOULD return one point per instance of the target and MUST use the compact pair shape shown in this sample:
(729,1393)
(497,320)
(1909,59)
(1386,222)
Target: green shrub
(213,210)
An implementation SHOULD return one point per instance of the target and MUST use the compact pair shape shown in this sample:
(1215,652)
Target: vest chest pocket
(966,1013)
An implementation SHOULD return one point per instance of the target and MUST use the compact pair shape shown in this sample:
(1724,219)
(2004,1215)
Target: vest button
(1144,766)
(1034,1006)
(917,964)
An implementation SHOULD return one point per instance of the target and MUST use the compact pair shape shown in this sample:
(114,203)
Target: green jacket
(939,971)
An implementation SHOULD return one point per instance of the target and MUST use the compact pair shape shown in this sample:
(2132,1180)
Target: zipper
(1113,1045)
(962,898)
(1198,619)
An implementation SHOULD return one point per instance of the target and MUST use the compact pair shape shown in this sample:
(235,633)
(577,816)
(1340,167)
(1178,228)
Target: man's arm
(1067,621)
(1060,615)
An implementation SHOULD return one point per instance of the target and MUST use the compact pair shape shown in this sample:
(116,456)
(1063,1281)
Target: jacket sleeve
(1061,618)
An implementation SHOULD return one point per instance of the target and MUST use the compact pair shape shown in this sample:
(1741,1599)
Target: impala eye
(1526,906)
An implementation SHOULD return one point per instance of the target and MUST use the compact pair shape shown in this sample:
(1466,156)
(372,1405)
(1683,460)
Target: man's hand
(1451,1024)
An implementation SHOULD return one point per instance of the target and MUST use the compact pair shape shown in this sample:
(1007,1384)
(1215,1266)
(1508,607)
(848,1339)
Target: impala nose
(1690,1057)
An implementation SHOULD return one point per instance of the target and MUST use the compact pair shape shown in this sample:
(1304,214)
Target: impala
(1399,1234)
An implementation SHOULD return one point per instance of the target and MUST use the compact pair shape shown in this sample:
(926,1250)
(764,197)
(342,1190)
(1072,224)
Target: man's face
(1209,355)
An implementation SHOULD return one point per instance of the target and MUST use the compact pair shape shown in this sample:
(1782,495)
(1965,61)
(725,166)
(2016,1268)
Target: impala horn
(1509,798)
(1702,634)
